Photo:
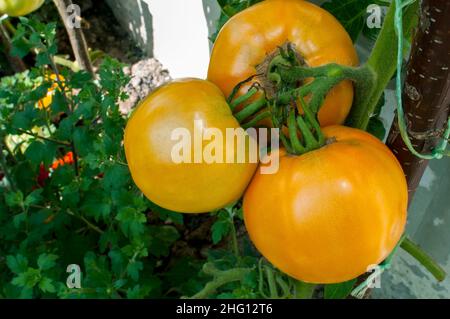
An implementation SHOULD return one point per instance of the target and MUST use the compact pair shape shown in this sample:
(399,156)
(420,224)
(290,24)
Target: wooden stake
(76,37)
(426,93)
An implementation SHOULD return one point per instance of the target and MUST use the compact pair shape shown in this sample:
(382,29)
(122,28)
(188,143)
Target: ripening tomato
(46,101)
(191,106)
(327,215)
(18,8)
(253,34)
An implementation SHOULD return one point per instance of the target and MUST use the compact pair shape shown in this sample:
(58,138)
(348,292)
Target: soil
(102,32)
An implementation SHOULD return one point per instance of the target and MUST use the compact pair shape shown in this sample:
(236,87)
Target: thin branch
(76,37)
(49,139)
(16,63)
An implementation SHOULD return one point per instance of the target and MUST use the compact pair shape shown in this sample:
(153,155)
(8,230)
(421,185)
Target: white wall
(180,35)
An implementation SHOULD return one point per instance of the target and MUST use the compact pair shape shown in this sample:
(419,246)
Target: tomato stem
(423,258)
(220,278)
(256,119)
(250,109)
(382,63)
(235,103)
(304,290)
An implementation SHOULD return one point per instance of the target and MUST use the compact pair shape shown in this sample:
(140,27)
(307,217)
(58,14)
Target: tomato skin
(329,214)
(249,36)
(183,187)
(18,8)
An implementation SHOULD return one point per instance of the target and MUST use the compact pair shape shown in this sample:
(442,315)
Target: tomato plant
(17,8)
(83,184)
(188,187)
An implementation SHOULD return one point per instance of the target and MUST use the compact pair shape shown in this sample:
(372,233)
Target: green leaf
(165,214)
(42,59)
(116,177)
(58,103)
(96,204)
(108,238)
(220,229)
(97,271)
(38,152)
(63,176)
(46,285)
(24,119)
(46,261)
(350,13)
(82,141)
(339,291)
(134,268)
(14,199)
(19,219)
(29,278)
(162,238)
(17,264)
(118,261)
(34,197)
(70,196)
(131,221)
(376,128)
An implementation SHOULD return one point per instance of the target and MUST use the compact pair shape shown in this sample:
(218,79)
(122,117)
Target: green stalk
(415,251)
(250,109)
(304,290)
(382,63)
(220,278)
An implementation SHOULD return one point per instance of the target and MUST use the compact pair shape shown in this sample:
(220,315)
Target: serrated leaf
(131,221)
(34,197)
(38,152)
(17,264)
(108,238)
(46,285)
(350,13)
(115,177)
(14,199)
(82,140)
(46,261)
(134,268)
(29,278)
(117,261)
(64,175)
(19,219)
(120,283)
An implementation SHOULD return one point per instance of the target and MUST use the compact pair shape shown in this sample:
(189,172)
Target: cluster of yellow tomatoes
(325,216)
(18,8)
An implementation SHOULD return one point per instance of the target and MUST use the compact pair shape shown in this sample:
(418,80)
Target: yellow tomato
(18,8)
(328,215)
(191,105)
(251,35)
(46,101)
